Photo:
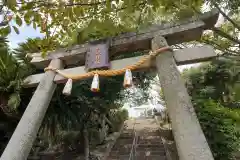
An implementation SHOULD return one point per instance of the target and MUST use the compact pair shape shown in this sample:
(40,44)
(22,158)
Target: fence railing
(132,155)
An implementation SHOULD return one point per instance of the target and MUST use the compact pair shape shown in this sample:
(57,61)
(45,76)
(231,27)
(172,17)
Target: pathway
(148,144)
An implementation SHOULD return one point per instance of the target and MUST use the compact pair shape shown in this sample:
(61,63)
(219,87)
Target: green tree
(213,87)
(221,127)
(12,74)
(216,80)
(11,80)
(73,21)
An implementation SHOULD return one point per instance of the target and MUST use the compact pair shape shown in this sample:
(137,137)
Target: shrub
(221,127)
(117,117)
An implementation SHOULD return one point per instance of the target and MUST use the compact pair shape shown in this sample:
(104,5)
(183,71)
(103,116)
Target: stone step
(126,137)
(149,134)
(33,158)
(128,146)
(160,148)
(139,146)
(122,141)
(115,153)
(139,153)
(150,142)
(122,149)
(118,157)
(150,146)
(151,158)
(126,157)
(127,133)
(150,153)
(149,137)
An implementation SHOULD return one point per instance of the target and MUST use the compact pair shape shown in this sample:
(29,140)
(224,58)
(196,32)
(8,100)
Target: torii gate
(190,140)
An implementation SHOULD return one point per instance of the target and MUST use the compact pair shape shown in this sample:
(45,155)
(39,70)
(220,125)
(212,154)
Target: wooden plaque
(98,55)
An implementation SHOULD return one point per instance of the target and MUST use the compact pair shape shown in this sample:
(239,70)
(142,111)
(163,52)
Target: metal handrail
(135,139)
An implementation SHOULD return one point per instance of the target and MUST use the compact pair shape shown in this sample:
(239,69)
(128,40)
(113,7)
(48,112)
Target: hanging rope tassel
(127,79)
(68,88)
(95,83)
(114,72)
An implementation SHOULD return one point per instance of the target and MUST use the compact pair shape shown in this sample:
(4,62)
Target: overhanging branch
(219,47)
(225,15)
(225,35)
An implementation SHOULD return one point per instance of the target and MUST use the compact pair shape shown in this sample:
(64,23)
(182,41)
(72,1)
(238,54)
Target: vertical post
(190,140)
(21,142)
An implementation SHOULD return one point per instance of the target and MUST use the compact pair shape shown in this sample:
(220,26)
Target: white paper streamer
(127,78)
(95,83)
(67,88)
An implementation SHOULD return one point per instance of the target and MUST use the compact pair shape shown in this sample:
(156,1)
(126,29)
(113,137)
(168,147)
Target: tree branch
(225,35)
(116,10)
(219,47)
(3,4)
(225,15)
(3,23)
(44,4)
(85,4)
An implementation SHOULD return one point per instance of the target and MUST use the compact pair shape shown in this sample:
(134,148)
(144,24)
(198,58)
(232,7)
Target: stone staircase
(148,144)
(122,149)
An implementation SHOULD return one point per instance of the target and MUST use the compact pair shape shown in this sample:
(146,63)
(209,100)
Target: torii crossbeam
(190,140)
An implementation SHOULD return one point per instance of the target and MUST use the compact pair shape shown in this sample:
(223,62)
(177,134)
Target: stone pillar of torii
(190,140)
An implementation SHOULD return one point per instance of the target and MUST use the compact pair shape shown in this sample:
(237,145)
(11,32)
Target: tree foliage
(221,127)
(224,37)
(213,88)
(11,80)
(70,22)
(76,21)
(216,80)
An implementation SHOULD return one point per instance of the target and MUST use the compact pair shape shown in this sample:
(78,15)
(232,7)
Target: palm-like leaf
(34,45)
(12,75)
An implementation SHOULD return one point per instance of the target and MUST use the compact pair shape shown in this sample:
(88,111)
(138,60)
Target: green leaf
(18,20)
(27,17)
(70,13)
(14,101)
(108,4)
(44,54)
(30,5)
(27,6)
(12,4)
(37,17)
(78,11)
(52,14)
(5,30)
(34,25)
(16,29)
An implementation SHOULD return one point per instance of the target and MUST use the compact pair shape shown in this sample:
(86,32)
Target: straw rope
(111,72)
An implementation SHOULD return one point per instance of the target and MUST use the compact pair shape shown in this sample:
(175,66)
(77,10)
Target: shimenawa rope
(108,73)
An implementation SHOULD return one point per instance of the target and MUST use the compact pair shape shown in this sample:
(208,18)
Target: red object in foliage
(9,17)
